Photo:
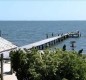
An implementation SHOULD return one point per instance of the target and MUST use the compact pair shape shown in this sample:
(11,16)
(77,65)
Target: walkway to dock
(43,44)
(6,71)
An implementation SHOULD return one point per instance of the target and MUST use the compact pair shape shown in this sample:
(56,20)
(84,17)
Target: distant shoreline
(44,20)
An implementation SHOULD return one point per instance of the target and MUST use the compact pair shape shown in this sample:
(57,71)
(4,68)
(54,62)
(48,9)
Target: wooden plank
(42,42)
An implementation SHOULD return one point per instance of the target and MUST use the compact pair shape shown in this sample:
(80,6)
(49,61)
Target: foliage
(48,65)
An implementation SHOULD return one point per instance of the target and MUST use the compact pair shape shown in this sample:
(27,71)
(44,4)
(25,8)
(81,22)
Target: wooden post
(1,66)
(72,45)
(42,47)
(49,44)
(67,36)
(64,37)
(11,70)
(59,40)
(54,42)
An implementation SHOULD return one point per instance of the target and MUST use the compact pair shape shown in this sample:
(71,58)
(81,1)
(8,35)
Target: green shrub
(48,65)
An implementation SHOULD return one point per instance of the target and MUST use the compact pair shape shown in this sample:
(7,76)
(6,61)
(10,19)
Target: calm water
(25,32)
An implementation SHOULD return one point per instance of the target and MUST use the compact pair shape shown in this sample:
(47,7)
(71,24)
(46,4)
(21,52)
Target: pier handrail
(42,42)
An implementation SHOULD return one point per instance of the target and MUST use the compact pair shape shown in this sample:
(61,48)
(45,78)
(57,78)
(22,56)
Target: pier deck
(50,41)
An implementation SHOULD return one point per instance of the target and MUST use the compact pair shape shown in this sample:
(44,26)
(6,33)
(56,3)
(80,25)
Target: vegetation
(48,65)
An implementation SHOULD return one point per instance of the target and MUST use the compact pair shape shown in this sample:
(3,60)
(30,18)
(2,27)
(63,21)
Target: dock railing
(51,41)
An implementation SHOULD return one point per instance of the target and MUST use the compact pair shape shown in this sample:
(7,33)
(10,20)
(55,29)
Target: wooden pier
(43,44)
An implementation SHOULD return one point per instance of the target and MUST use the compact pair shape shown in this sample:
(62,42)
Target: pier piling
(43,44)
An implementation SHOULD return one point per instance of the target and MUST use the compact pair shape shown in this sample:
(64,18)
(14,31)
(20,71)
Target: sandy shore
(10,77)
(6,68)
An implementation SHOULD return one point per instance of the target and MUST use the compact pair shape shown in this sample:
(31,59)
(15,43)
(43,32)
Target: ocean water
(26,32)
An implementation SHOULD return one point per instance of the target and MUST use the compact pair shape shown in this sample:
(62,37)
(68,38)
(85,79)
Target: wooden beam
(1,66)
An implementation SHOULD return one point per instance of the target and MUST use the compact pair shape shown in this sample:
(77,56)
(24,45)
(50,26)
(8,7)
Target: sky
(42,10)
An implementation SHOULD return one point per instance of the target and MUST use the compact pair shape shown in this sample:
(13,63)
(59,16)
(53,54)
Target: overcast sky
(42,10)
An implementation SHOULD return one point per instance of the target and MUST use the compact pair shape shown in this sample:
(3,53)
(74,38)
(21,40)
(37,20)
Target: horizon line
(42,20)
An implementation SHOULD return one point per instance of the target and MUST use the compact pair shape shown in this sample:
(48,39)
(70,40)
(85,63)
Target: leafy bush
(48,65)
